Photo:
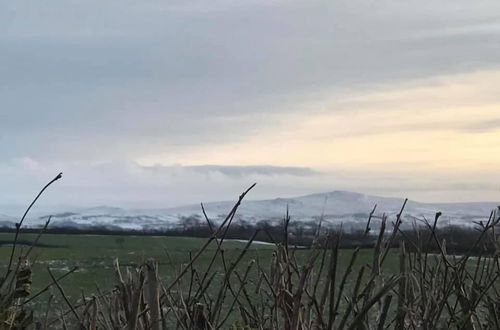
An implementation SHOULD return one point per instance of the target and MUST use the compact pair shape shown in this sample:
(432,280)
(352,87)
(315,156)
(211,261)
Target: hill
(348,208)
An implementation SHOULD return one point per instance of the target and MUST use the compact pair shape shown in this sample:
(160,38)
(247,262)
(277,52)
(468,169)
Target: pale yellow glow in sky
(444,124)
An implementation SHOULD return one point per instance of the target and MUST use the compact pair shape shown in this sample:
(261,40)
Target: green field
(94,256)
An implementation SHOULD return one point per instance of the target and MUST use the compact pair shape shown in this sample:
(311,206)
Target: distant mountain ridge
(337,207)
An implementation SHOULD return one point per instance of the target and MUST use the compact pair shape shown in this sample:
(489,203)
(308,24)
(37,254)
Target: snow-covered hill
(349,208)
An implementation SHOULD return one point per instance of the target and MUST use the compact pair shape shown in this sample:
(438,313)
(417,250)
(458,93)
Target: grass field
(273,278)
(94,256)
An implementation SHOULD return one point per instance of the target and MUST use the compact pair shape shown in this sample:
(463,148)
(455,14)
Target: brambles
(15,285)
(428,289)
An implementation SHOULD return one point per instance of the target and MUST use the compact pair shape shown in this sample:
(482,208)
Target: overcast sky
(161,103)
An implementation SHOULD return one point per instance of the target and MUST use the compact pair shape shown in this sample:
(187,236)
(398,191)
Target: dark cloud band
(240,171)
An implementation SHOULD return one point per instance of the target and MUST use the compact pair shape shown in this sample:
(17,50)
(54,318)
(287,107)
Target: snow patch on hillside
(349,208)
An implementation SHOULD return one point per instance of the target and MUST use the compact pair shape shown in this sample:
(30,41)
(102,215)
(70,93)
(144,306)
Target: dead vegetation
(430,291)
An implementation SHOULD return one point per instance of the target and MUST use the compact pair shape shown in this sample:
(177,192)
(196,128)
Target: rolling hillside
(337,207)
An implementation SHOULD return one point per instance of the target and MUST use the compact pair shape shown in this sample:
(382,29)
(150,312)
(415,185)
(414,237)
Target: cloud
(485,126)
(138,78)
(239,171)
(482,27)
(130,185)
(296,85)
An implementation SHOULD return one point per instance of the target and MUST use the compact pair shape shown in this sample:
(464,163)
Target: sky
(162,103)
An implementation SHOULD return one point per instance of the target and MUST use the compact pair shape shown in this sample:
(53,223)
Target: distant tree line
(458,239)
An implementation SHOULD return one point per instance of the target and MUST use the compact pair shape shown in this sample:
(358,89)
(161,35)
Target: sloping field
(94,256)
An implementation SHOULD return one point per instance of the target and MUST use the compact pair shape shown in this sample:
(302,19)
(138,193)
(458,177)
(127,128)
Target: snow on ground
(348,208)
